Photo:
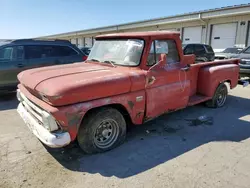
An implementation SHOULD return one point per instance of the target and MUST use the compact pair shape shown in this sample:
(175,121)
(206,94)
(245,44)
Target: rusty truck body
(128,77)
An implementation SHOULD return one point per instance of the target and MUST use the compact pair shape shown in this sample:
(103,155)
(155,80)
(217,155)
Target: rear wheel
(102,130)
(219,98)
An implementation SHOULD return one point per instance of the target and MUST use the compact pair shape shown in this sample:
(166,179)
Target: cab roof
(145,34)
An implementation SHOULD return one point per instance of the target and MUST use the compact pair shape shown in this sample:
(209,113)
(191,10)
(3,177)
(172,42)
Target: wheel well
(118,107)
(228,84)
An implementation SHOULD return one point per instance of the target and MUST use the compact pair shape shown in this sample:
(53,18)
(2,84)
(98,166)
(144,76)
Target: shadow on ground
(161,140)
(8,101)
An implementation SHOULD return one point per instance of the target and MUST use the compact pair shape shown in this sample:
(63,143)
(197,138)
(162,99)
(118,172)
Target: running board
(196,99)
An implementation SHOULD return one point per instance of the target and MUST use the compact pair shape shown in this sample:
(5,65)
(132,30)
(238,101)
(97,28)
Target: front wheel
(102,130)
(219,98)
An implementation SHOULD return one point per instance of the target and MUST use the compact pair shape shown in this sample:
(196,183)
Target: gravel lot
(166,152)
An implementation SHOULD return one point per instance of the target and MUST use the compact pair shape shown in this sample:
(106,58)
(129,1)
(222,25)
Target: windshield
(246,50)
(232,50)
(126,52)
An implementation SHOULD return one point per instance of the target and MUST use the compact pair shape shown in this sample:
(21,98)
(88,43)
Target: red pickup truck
(128,77)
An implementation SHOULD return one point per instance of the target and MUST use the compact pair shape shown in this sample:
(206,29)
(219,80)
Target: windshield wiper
(111,62)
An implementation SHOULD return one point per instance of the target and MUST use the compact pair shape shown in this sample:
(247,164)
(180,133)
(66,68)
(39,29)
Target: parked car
(227,53)
(128,77)
(244,57)
(202,52)
(19,55)
(85,51)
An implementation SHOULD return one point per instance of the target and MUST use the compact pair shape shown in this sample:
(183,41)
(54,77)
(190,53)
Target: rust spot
(73,119)
(138,115)
(147,118)
(131,104)
(170,110)
(151,80)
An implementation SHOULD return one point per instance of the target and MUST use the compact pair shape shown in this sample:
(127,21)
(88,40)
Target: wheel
(219,98)
(102,130)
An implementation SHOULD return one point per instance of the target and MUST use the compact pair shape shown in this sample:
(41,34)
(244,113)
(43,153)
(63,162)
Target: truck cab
(128,77)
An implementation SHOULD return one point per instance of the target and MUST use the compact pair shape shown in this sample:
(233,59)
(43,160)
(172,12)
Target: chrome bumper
(54,140)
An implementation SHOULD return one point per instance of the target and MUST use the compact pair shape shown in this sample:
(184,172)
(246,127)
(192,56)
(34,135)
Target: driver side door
(167,89)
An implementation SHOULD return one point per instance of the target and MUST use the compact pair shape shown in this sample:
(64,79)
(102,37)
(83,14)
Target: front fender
(70,117)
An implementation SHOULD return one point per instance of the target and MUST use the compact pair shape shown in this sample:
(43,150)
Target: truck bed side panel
(211,76)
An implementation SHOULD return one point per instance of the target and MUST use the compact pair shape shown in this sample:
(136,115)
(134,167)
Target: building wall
(241,34)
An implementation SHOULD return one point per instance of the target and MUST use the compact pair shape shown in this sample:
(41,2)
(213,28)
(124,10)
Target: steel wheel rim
(106,133)
(222,96)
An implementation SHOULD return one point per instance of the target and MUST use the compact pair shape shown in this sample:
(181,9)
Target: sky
(35,18)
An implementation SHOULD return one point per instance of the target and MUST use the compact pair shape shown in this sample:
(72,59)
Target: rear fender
(70,117)
(211,76)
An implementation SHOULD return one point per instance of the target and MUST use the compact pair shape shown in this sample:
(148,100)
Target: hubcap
(106,133)
(222,96)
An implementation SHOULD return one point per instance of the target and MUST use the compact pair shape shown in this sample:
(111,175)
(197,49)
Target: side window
(163,46)
(12,53)
(65,51)
(6,54)
(19,52)
(151,56)
(173,54)
(199,49)
(189,49)
(33,51)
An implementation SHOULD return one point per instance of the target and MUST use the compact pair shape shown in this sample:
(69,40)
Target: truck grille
(41,116)
(33,109)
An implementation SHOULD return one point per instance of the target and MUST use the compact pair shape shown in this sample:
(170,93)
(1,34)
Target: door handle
(20,65)
(185,68)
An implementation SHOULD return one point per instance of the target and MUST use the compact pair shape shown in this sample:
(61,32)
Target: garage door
(192,35)
(88,41)
(223,36)
(80,42)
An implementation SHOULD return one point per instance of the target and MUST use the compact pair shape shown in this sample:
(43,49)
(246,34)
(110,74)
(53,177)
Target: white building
(221,27)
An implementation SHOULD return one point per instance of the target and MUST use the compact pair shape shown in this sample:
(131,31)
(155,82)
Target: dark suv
(18,55)
(203,52)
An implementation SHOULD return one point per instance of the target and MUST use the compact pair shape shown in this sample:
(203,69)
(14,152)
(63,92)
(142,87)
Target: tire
(219,98)
(102,130)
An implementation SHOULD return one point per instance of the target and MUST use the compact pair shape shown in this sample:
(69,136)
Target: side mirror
(162,61)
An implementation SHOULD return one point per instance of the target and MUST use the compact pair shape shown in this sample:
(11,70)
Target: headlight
(49,121)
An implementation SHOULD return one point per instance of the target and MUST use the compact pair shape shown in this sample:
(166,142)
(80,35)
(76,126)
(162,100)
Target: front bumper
(54,140)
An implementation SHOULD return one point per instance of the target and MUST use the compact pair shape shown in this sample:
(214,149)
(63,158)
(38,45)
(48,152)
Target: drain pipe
(206,24)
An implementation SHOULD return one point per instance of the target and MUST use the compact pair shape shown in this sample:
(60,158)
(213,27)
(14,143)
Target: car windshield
(125,52)
(246,50)
(232,50)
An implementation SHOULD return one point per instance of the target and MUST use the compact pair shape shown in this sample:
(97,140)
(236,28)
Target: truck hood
(68,84)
